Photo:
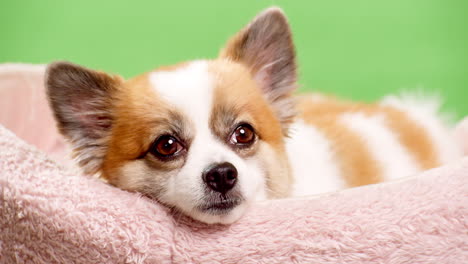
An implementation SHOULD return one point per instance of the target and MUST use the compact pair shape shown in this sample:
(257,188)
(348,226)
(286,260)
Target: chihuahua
(209,137)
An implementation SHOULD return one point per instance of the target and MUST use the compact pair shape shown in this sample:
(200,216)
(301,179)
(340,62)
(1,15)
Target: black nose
(220,177)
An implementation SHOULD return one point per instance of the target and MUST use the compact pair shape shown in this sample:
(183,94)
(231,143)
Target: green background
(360,49)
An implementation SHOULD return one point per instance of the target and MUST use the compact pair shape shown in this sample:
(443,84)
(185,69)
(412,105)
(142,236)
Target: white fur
(134,175)
(190,90)
(313,162)
(394,160)
(185,189)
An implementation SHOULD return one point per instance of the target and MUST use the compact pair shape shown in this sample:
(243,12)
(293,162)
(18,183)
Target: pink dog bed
(52,214)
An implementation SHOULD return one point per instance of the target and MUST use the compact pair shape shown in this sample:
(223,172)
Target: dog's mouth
(220,206)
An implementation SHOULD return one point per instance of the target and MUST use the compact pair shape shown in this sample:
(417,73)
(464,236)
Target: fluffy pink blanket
(52,214)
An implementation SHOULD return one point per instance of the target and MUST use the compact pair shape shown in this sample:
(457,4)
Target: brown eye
(166,146)
(243,135)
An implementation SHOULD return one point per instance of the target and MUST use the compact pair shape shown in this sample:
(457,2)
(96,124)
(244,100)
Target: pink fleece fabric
(52,214)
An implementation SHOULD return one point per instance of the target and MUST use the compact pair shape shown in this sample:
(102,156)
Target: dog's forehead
(188,87)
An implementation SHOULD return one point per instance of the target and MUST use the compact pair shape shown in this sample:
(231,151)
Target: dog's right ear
(81,100)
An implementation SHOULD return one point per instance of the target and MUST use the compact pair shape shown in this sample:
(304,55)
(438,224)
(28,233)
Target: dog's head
(205,137)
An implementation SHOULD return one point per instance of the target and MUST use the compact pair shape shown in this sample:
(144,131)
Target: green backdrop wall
(360,49)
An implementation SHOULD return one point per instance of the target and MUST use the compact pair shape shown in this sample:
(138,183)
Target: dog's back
(336,144)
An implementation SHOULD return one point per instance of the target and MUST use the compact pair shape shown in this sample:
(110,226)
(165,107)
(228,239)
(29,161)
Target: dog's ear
(265,46)
(81,100)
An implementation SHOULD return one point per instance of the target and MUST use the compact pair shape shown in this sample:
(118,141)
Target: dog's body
(336,144)
(209,137)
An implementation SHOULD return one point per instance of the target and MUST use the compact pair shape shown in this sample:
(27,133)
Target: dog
(210,137)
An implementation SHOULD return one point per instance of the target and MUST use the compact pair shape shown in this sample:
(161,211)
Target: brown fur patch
(140,116)
(238,98)
(362,169)
(266,49)
(414,137)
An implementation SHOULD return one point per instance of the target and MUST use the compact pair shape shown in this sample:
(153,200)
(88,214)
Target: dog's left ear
(265,46)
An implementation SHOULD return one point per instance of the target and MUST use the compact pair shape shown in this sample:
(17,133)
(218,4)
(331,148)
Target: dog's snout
(220,177)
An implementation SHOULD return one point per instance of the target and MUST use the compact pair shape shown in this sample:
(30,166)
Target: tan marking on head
(140,114)
(238,98)
(235,88)
(266,49)
(362,169)
(175,67)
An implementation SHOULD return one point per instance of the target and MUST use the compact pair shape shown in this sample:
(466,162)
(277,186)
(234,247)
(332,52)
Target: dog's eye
(166,146)
(243,135)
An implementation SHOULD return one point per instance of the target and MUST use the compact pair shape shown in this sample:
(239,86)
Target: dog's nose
(220,177)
